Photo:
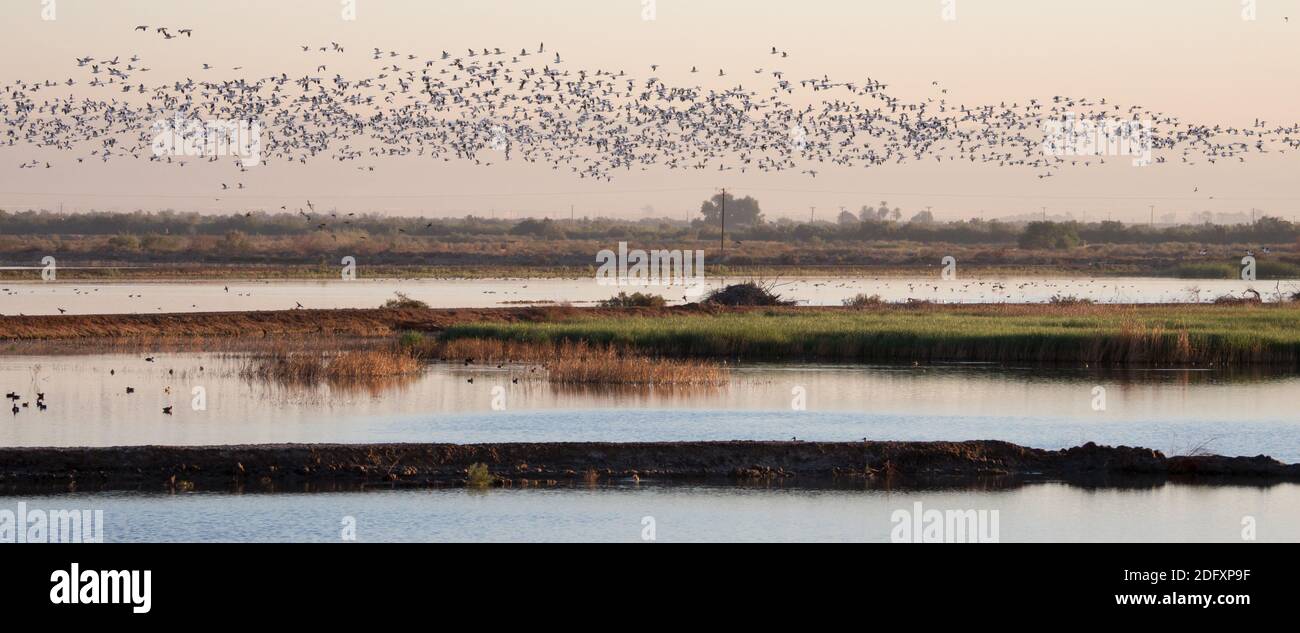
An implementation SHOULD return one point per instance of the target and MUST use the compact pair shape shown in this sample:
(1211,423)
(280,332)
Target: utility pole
(812,215)
(571,214)
(722,234)
(1153,215)
(1044,214)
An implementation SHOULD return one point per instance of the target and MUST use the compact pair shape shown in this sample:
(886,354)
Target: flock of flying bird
(486,105)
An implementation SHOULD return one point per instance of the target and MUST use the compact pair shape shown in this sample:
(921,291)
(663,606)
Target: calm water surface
(1172,411)
(93,297)
(1041,512)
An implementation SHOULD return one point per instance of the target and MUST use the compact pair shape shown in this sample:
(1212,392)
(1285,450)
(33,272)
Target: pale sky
(1197,59)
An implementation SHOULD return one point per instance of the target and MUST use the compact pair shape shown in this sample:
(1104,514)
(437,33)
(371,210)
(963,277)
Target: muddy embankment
(324,467)
(340,322)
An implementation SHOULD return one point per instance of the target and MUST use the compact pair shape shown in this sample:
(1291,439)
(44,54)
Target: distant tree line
(745,221)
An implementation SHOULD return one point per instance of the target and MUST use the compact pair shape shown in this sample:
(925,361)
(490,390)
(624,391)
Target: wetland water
(1177,412)
(1041,512)
(97,297)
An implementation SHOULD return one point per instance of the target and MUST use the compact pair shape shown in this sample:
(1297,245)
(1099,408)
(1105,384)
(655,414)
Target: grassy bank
(1146,335)
(1182,335)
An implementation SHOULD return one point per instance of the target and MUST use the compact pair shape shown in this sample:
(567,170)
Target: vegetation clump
(1069,300)
(304,367)
(750,293)
(402,302)
(634,300)
(863,300)
(1049,236)
(478,476)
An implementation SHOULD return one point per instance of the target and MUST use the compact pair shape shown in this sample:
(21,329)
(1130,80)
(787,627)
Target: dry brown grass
(609,366)
(582,363)
(308,367)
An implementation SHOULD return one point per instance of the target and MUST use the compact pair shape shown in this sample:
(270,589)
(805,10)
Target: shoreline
(523,465)
(1186,335)
(281,273)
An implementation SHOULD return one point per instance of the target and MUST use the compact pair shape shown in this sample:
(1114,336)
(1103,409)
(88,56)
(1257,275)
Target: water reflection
(1042,512)
(1234,413)
(144,297)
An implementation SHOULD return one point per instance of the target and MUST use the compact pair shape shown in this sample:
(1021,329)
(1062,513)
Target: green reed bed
(1151,335)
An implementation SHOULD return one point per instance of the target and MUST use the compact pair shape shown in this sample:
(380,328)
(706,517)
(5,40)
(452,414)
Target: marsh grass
(863,300)
(581,363)
(1196,335)
(312,367)
(1266,269)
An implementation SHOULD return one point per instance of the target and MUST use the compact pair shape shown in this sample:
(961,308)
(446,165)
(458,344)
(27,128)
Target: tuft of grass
(862,300)
(478,476)
(1069,300)
(402,302)
(634,300)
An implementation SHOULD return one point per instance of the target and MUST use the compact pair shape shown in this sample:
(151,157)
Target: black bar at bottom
(323,581)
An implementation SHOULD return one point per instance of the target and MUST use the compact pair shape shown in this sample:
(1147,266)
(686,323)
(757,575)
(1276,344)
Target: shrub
(1049,235)
(863,301)
(747,294)
(479,476)
(634,300)
(403,302)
